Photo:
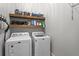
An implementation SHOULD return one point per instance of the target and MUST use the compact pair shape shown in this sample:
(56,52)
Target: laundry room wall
(33,7)
(6,8)
(63,30)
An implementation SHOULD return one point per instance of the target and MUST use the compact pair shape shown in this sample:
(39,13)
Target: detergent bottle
(42,24)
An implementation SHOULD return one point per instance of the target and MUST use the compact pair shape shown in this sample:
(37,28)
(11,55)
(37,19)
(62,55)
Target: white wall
(64,30)
(5,9)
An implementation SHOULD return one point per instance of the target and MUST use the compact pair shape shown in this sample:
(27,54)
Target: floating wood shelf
(24,26)
(15,26)
(26,17)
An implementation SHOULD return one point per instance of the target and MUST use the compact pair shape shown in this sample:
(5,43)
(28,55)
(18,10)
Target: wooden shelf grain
(24,26)
(26,17)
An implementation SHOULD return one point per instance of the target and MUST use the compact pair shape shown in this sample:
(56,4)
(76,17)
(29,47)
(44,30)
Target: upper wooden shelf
(26,17)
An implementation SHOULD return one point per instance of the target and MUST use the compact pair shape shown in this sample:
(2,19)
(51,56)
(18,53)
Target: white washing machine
(19,44)
(41,44)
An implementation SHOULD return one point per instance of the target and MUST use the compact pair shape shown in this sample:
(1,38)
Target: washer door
(42,47)
(20,49)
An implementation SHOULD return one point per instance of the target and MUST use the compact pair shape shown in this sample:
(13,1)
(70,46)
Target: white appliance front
(42,47)
(41,44)
(18,46)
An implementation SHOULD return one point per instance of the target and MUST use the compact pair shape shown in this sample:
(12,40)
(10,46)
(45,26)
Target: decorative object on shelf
(19,22)
(22,12)
(42,24)
(38,15)
(16,11)
(27,13)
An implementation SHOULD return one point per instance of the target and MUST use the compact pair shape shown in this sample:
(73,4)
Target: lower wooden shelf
(24,26)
